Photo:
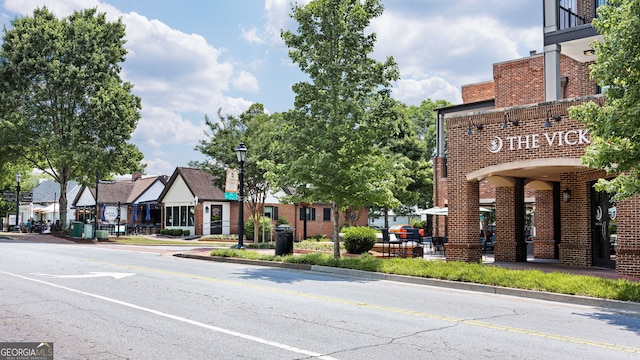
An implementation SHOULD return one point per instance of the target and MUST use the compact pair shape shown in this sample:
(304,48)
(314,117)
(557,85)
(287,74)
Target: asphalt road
(97,302)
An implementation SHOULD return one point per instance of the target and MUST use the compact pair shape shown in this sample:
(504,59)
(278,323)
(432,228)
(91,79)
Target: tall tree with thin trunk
(253,127)
(329,144)
(63,100)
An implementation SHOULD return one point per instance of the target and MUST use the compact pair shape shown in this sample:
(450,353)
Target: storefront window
(192,214)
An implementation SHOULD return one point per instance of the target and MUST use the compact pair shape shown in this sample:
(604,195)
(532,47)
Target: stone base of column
(627,260)
(470,253)
(575,255)
(544,249)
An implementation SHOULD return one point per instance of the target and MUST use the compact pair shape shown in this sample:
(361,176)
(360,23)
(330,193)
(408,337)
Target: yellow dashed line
(388,309)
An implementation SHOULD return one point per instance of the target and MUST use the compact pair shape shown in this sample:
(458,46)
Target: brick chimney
(136,176)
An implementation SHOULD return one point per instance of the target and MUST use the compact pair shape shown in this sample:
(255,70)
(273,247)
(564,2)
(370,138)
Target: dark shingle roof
(198,181)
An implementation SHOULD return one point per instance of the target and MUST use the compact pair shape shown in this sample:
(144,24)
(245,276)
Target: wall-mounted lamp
(547,122)
(507,118)
(566,195)
(589,52)
(477,126)
(206,209)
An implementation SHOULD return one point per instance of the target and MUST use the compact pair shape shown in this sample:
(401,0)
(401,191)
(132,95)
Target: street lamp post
(241,152)
(18,178)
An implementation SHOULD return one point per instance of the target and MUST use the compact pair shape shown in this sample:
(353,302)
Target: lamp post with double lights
(18,178)
(241,152)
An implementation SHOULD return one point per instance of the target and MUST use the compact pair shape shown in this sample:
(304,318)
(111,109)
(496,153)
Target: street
(97,302)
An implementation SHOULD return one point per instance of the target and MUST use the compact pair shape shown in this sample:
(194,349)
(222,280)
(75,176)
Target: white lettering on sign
(532,141)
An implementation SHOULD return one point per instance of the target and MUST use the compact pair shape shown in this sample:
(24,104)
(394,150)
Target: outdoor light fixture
(547,122)
(18,178)
(589,52)
(504,120)
(241,152)
(471,125)
(206,209)
(566,195)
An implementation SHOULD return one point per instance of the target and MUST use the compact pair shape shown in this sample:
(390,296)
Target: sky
(193,57)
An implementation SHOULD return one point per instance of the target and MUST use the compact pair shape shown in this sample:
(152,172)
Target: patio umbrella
(135,213)
(104,210)
(147,217)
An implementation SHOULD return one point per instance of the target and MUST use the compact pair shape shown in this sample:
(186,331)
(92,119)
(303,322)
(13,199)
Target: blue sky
(190,58)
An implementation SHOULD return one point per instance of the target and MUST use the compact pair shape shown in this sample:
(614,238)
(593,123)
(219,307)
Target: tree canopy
(615,127)
(330,141)
(253,128)
(65,109)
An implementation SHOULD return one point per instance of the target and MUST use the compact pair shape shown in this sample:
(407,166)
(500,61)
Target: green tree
(613,128)
(416,140)
(329,148)
(253,127)
(62,94)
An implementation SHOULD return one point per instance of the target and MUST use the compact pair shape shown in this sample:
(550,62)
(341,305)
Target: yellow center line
(385,308)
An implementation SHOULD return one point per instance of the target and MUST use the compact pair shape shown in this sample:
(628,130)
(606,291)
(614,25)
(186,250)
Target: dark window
(168,216)
(192,214)
(310,213)
(326,214)
(271,212)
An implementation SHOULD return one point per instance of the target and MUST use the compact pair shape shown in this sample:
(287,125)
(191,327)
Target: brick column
(575,215)
(628,249)
(510,245)
(464,216)
(544,243)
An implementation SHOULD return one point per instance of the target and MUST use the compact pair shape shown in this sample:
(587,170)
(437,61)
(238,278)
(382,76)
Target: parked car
(401,230)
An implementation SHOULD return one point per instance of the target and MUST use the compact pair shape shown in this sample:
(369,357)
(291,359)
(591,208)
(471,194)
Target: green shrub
(359,239)
(174,232)
(419,224)
(102,235)
(282,221)
(186,232)
(265,235)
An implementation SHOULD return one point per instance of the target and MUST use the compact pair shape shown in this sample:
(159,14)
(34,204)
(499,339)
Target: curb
(490,289)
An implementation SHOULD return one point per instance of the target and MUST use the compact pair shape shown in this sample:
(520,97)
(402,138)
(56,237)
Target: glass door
(603,229)
(216,219)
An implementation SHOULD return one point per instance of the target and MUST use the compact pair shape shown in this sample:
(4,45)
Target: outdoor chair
(387,242)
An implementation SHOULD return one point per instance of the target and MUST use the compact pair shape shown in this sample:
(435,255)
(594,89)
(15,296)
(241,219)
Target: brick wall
(291,213)
(478,92)
(628,249)
(520,82)
(529,141)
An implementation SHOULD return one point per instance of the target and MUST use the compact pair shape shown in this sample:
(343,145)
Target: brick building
(512,146)
(191,201)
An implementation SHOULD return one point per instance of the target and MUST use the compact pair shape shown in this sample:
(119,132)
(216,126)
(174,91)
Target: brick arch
(532,169)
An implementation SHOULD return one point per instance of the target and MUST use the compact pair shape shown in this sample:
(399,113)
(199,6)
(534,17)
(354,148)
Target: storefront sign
(536,141)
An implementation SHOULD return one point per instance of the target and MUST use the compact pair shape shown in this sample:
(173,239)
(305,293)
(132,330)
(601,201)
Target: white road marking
(84,276)
(179,318)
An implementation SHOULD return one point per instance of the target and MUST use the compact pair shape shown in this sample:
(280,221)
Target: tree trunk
(336,231)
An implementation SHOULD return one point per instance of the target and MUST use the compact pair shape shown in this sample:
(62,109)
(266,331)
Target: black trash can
(284,240)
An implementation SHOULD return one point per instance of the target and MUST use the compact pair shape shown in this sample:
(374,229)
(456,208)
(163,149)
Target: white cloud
(246,81)
(414,91)
(158,166)
(251,35)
